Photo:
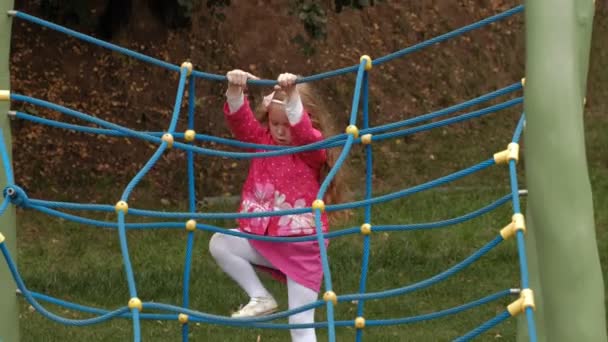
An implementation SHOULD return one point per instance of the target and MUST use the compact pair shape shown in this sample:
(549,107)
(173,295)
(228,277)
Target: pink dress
(279,183)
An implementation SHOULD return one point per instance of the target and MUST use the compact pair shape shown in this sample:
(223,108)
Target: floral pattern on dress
(264,199)
(298,224)
(261,201)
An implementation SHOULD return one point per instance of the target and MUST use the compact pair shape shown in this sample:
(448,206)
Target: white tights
(235,256)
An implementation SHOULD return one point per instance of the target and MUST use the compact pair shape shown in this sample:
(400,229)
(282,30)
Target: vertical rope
(191,205)
(368,208)
(521,242)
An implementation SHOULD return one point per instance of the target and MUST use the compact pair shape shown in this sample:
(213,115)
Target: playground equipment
(559,223)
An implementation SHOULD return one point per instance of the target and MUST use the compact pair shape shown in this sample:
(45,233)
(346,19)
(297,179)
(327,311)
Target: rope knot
(16,195)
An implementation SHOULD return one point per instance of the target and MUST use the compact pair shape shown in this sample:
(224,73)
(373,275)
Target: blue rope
(445,111)
(227,321)
(415,189)
(138,177)
(330,235)
(531,324)
(236,143)
(157,140)
(323,188)
(26,293)
(97,311)
(341,140)
(125,254)
(336,207)
(191,206)
(214,77)
(521,244)
(96,41)
(484,327)
(520,128)
(357,95)
(440,314)
(121,219)
(178,99)
(456,119)
(449,35)
(427,282)
(367,215)
(332,142)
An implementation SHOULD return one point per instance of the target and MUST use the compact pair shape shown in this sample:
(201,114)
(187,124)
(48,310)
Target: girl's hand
(287,82)
(237,81)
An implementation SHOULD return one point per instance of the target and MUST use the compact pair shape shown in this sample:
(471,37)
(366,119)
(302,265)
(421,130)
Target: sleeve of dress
(302,133)
(243,124)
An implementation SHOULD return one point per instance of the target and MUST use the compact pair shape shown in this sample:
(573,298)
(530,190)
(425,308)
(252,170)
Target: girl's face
(278,124)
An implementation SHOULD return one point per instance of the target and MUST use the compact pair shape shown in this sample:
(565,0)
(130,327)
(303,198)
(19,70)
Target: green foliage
(313,16)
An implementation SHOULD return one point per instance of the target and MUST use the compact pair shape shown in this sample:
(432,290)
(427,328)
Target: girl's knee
(216,244)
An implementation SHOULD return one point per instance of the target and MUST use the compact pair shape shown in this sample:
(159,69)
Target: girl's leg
(300,295)
(235,256)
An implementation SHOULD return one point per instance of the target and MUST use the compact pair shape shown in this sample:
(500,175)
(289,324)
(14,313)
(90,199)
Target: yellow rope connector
(121,206)
(5,95)
(368,61)
(526,300)
(318,204)
(188,66)
(191,225)
(135,303)
(523,82)
(169,139)
(330,296)
(366,229)
(2,238)
(366,139)
(359,322)
(182,318)
(512,152)
(352,130)
(189,135)
(517,223)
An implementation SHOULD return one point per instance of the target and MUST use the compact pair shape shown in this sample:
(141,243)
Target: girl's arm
(238,113)
(241,121)
(302,132)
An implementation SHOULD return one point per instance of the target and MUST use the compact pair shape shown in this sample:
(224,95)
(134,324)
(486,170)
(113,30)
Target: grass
(84,265)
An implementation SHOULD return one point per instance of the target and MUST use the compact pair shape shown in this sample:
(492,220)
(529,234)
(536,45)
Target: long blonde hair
(321,120)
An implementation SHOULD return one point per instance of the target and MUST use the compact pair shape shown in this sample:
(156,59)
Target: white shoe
(257,306)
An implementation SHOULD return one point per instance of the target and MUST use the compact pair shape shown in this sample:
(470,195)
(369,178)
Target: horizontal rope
(26,293)
(245,145)
(336,141)
(427,282)
(336,207)
(262,82)
(484,327)
(209,318)
(330,235)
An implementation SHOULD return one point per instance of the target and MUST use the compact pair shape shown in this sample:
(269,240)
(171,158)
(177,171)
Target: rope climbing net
(138,310)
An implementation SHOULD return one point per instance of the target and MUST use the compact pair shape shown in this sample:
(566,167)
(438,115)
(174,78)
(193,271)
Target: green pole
(9,314)
(567,278)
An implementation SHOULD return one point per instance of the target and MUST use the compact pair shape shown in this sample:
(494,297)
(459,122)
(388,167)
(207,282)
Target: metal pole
(569,284)
(9,314)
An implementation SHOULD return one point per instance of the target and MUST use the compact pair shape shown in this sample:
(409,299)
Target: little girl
(291,116)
